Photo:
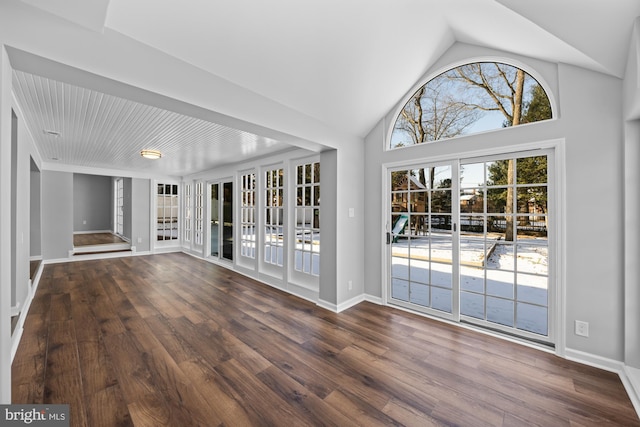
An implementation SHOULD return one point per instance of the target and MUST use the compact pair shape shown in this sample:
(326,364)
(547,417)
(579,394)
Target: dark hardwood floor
(90,239)
(171,340)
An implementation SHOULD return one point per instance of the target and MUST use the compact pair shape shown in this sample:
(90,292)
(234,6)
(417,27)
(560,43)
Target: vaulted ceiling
(343,64)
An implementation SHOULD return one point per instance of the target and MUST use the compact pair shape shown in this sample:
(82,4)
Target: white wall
(632,203)
(57,218)
(35,211)
(126,208)
(22,251)
(92,203)
(5,228)
(590,107)
(632,244)
(140,214)
(591,122)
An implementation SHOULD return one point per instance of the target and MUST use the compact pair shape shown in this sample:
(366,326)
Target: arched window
(467,99)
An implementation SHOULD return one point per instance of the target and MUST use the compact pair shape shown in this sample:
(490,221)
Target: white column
(5,228)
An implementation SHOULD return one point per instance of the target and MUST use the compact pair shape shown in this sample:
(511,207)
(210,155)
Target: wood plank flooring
(90,239)
(169,340)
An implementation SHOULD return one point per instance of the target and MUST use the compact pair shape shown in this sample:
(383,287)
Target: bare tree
(435,112)
(503,89)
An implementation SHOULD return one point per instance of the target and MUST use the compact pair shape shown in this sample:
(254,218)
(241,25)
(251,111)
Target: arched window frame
(432,75)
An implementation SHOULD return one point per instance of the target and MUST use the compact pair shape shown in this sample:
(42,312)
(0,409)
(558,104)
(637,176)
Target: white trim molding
(17,334)
(327,305)
(373,299)
(630,377)
(631,382)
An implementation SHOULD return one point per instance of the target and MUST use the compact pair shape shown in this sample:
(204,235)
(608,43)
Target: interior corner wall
(350,217)
(593,127)
(57,223)
(631,95)
(632,244)
(373,240)
(92,202)
(328,261)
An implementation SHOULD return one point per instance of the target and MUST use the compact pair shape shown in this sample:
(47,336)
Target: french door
(221,211)
(468,240)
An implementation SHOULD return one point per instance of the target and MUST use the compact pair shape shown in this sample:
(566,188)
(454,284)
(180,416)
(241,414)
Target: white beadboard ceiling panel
(81,127)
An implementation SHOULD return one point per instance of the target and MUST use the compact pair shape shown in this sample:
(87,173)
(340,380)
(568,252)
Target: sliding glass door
(469,241)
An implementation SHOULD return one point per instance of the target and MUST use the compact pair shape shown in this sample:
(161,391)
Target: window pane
(497,200)
(532,318)
(471,175)
(419,294)
(400,289)
(441,177)
(500,311)
(472,305)
(532,170)
(419,201)
(441,201)
(316,195)
(441,299)
(532,200)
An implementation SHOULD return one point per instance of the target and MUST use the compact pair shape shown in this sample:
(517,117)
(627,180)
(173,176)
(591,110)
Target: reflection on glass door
(494,270)
(222,220)
(215,220)
(422,244)
(227,221)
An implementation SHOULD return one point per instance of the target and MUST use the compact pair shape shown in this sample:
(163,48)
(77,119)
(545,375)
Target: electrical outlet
(350,284)
(582,328)
(139,239)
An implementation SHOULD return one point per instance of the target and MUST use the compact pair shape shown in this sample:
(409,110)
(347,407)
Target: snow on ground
(486,293)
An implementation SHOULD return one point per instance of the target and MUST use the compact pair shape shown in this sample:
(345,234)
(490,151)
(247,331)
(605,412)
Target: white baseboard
(630,377)
(632,385)
(337,308)
(373,299)
(16,336)
(327,305)
(167,250)
(350,303)
(17,333)
(93,232)
(101,248)
(594,360)
(15,309)
(140,253)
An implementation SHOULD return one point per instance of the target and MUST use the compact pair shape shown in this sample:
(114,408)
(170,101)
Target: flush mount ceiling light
(151,154)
